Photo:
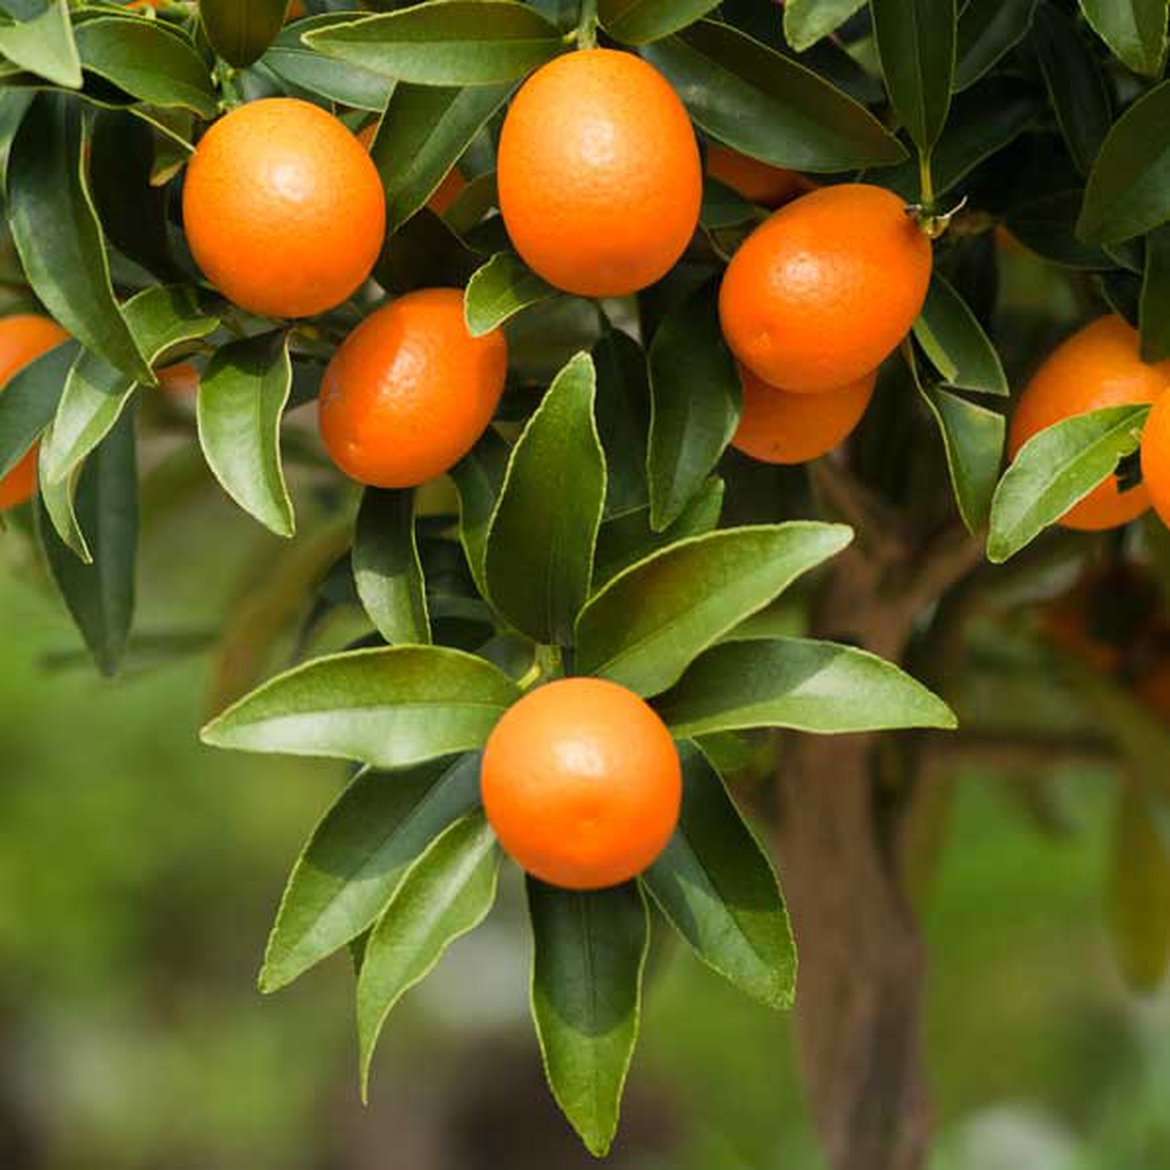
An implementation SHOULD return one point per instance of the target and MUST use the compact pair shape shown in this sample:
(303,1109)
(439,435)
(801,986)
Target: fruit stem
(587,25)
(925,181)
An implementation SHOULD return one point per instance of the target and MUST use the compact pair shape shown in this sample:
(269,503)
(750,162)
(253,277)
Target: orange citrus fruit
(599,174)
(181,379)
(777,426)
(410,390)
(23,337)
(283,209)
(582,783)
(756,181)
(825,288)
(448,190)
(1099,366)
(1156,455)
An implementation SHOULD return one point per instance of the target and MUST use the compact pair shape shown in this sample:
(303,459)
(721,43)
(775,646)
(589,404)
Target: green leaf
(623,419)
(646,625)
(422,135)
(988,29)
(589,953)
(29,402)
(150,61)
(447,893)
(695,404)
(56,231)
(768,106)
(1055,470)
(445,42)
(241,400)
(798,683)
(1048,227)
(390,707)
(240,30)
(357,857)
(1134,29)
(715,884)
(1129,188)
(479,478)
(44,45)
(916,43)
(386,567)
(1154,310)
(499,290)
(637,22)
(807,21)
(955,342)
(1075,83)
(100,595)
(539,557)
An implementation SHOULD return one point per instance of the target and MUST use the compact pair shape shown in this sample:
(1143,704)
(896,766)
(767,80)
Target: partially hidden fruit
(825,289)
(777,426)
(283,209)
(582,783)
(181,379)
(599,174)
(1156,456)
(756,181)
(22,338)
(410,390)
(1099,366)
(448,190)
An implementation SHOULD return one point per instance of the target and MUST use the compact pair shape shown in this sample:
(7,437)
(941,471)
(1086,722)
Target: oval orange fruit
(283,209)
(1156,455)
(599,174)
(1098,366)
(582,783)
(410,390)
(756,181)
(825,289)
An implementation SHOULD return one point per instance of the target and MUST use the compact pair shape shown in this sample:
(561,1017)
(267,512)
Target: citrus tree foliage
(600,526)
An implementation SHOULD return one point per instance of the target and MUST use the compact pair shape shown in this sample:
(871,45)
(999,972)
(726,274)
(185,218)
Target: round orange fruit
(582,783)
(283,209)
(23,337)
(825,289)
(410,390)
(599,173)
(1156,455)
(756,181)
(1098,366)
(777,426)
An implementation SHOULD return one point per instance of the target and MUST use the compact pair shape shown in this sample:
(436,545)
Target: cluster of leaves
(602,526)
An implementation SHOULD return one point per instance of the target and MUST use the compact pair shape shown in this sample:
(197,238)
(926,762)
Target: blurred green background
(139,873)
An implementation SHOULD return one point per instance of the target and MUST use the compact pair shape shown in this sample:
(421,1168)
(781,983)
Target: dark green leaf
(1134,29)
(29,402)
(807,21)
(798,683)
(768,106)
(43,44)
(386,567)
(499,290)
(955,342)
(357,857)
(446,42)
(695,404)
(589,953)
(987,30)
(56,231)
(425,253)
(539,557)
(1154,312)
(446,893)
(717,887)
(240,30)
(1048,226)
(1056,469)
(637,22)
(647,624)
(241,400)
(623,419)
(479,478)
(390,707)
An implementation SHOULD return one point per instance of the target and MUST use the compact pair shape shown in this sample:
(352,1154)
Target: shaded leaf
(386,567)
(29,402)
(807,21)
(479,478)
(499,290)
(637,22)
(623,419)
(1048,227)
(1154,310)
(240,30)
(987,30)
(954,341)
(1134,29)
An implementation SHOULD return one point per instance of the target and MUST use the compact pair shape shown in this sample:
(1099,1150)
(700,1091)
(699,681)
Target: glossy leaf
(446,893)
(57,234)
(1134,29)
(647,624)
(637,22)
(623,419)
(589,953)
(100,595)
(540,543)
(807,21)
(44,45)
(988,29)
(479,478)
(29,402)
(445,42)
(386,567)
(241,400)
(1056,469)
(955,342)
(423,133)
(716,886)
(499,290)
(695,404)
(240,30)
(798,683)
(1154,311)
(390,707)
(767,105)
(916,44)
(1129,188)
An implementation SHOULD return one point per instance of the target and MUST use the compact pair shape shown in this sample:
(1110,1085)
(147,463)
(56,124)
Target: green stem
(587,25)
(926,181)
